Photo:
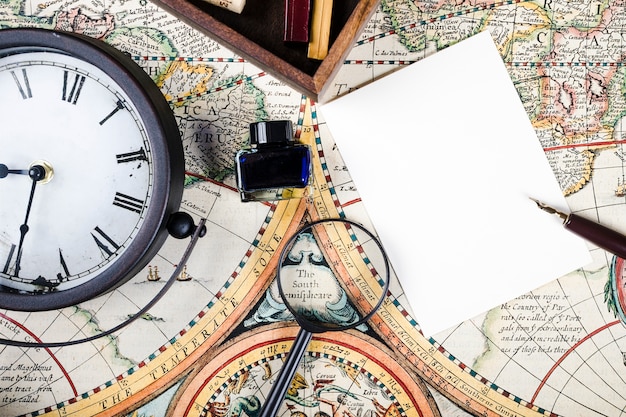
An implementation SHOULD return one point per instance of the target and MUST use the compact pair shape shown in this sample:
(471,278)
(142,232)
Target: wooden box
(257,35)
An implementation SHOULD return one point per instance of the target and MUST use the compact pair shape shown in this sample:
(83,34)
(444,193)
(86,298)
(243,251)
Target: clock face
(85,173)
(72,119)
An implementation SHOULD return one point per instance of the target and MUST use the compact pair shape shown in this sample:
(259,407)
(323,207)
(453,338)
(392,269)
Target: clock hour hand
(36,173)
(5,171)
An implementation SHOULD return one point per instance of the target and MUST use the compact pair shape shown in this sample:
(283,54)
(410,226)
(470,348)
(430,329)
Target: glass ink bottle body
(275,167)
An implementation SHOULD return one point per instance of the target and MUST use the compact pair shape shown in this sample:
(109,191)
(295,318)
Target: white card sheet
(445,159)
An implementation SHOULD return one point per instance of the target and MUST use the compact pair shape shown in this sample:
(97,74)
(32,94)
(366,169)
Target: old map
(202,351)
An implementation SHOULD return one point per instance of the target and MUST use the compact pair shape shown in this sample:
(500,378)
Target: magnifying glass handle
(277,394)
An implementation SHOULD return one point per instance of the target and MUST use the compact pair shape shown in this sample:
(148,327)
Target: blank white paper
(445,159)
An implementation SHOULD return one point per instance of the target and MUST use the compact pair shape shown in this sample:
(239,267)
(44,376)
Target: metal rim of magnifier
(308,324)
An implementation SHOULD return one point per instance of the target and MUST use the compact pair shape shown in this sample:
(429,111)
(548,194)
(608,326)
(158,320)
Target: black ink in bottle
(275,167)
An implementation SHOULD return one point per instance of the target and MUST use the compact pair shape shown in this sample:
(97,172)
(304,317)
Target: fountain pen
(595,233)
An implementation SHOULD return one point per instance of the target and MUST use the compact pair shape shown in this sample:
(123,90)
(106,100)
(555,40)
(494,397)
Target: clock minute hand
(36,173)
(5,171)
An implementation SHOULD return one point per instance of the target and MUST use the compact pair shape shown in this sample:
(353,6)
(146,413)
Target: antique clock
(91,168)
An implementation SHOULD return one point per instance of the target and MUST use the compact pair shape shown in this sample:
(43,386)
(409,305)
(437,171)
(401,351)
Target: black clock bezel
(167,159)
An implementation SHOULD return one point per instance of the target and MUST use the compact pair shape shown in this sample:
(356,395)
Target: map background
(558,350)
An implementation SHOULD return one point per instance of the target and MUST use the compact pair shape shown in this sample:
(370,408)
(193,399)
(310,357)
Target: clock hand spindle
(5,171)
(36,173)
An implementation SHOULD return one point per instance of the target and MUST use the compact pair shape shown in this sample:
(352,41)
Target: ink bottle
(275,167)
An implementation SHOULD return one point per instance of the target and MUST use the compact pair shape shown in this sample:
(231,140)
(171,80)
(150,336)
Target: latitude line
(572,349)
(445,16)
(52,355)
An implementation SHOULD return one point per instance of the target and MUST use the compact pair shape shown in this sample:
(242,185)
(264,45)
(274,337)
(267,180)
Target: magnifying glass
(329,278)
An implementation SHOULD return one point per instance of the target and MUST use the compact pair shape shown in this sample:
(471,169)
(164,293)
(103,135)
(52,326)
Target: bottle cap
(271,132)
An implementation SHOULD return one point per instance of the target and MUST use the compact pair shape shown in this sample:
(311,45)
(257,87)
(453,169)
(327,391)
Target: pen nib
(549,209)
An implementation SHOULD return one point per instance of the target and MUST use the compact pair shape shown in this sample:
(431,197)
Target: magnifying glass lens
(333,275)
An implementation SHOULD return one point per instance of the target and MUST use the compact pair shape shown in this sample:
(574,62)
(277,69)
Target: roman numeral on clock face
(119,106)
(72,86)
(139,155)
(127,202)
(66,270)
(104,241)
(9,258)
(22,84)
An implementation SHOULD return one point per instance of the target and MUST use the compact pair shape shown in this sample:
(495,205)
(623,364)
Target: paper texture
(445,159)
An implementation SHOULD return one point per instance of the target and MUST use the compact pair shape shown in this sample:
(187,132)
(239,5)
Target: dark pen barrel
(598,234)
(282,383)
